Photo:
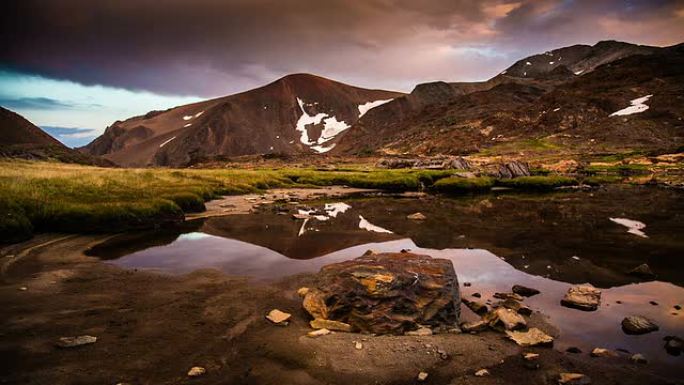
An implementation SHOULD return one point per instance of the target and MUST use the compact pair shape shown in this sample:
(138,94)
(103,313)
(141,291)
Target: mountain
(544,105)
(298,113)
(20,138)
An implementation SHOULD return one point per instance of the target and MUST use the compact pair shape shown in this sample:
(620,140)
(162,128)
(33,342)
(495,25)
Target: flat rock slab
(531,337)
(73,342)
(584,298)
(388,293)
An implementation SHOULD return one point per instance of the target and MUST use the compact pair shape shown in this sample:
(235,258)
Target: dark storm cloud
(215,47)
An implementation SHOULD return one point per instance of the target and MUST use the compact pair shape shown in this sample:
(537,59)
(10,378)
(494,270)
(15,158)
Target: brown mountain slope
(296,114)
(554,110)
(20,138)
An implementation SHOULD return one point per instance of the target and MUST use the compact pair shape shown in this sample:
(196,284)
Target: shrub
(460,185)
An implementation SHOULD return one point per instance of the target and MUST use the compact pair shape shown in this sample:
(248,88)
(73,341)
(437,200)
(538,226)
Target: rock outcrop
(389,293)
(638,325)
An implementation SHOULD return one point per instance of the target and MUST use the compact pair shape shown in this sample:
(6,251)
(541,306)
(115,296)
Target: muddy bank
(153,328)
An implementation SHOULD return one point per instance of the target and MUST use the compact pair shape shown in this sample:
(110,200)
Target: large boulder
(388,293)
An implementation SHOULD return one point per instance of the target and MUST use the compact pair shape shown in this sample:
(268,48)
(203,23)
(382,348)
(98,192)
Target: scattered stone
(642,271)
(530,356)
(531,337)
(513,296)
(417,216)
(482,373)
(584,298)
(475,306)
(196,371)
(654,303)
(477,295)
(391,293)
(358,345)
(677,307)
(302,291)
(318,333)
(674,345)
(330,325)
(573,379)
(23,288)
(474,327)
(442,354)
(314,304)
(574,350)
(638,325)
(420,332)
(278,317)
(455,330)
(73,342)
(301,216)
(506,319)
(601,352)
(531,361)
(524,291)
(467,284)
(422,376)
(638,359)
(516,306)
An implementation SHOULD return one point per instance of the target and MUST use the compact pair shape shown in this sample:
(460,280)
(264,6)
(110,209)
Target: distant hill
(547,105)
(299,113)
(20,138)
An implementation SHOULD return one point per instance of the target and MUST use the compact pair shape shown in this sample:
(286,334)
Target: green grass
(455,185)
(537,182)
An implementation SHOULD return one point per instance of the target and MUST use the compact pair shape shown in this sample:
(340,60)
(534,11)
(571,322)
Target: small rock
(573,379)
(654,303)
(677,307)
(513,296)
(278,317)
(477,295)
(73,342)
(442,354)
(302,291)
(638,325)
(358,345)
(330,325)
(318,333)
(584,298)
(674,345)
(524,291)
(422,376)
(601,352)
(638,359)
(574,350)
(417,217)
(196,371)
(530,356)
(301,216)
(531,337)
(516,306)
(506,319)
(420,332)
(482,373)
(314,304)
(23,288)
(455,330)
(642,271)
(474,327)
(466,284)
(475,306)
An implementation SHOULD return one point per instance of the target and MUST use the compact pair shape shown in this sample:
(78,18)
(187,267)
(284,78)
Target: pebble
(573,379)
(72,342)
(318,333)
(422,376)
(638,359)
(601,352)
(23,288)
(482,373)
(358,345)
(196,371)
(278,317)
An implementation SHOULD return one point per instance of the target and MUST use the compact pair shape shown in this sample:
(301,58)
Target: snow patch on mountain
(166,142)
(637,106)
(305,120)
(363,108)
(331,128)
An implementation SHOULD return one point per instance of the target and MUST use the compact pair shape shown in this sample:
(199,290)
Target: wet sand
(153,328)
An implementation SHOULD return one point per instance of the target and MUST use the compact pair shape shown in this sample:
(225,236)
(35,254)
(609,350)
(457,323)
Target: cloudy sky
(84,64)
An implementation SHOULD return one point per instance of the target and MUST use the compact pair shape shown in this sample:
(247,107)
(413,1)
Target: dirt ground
(152,329)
